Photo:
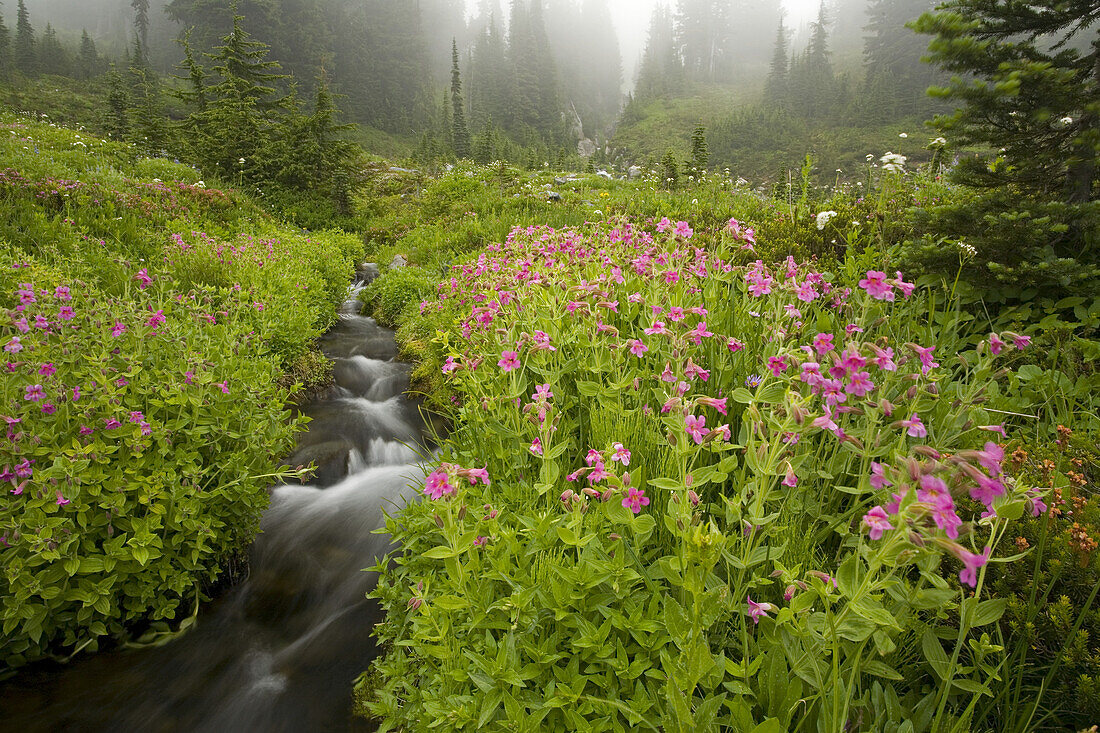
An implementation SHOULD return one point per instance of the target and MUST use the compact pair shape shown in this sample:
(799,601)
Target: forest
(440,365)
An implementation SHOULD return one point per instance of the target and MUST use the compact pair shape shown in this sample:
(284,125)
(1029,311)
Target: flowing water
(278,652)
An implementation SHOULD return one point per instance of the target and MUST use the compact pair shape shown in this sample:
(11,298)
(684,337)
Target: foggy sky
(631,19)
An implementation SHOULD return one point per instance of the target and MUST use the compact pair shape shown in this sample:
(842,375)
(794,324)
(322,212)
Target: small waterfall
(278,652)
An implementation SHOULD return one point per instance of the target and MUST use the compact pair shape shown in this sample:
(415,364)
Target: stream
(279,651)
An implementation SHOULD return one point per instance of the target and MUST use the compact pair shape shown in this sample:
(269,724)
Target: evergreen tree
(194,92)
(702,32)
(1026,82)
(460,132)
(661,70)
(700,156)
(117,120)
(242,107)
(776,93)
(5,50)
(670,169)
(53,58)
(141,20)
(489,80)
(147,116)
(25,52)
(88,63)
(895,79)
(812,85)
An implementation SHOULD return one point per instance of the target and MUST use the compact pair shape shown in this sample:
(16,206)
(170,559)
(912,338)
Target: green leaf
(987,612)
(440,552)
(742,395)
(934,653)
(878,669)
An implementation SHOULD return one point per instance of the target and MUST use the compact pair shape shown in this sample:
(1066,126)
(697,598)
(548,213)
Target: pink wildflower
(620,454)
(696,427)
(638,347)
(877,286)
(509,360)
(635,499)
(758,611)
(877,522)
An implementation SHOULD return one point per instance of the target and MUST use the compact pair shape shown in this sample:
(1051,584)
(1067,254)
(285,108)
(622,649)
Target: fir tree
(670,169)
(775,89)
(53,58)
(147,116)
(117,121)
(460,133)
(5,50)
(88,62)
(1025,82)
(242,108)
(25,52)
(141,20)
(700,155)
(660,70)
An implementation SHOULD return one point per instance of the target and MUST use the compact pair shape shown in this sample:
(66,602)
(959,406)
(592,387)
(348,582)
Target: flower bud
(439,521)
(776,573)
(607,495)
(933,388)
(693,497)
(789,593)
(614,536)
(462,513)
(927,451)
(689,480)
(911,393)
(680,524)
(420,587)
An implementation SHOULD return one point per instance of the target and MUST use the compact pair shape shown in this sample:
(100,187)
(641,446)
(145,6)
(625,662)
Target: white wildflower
(938,142)
(823,219)
(893,162)
(966,250)
(903,135)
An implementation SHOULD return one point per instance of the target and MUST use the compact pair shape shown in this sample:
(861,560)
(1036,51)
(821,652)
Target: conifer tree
(88,63)
(24,51)
(460,133)
(775,89)
(242,107)
(194,91)
(117,120)
(660,70)
(700,155)
(1025,82)
(141,21)
(5,50)
(53,58)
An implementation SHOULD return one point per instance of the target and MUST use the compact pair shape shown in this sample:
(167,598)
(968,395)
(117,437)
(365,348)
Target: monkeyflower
(635,499)
(758,610)
(877,286)
(696,427)
(876,521)
(915,428)
(509,360)
(620,454)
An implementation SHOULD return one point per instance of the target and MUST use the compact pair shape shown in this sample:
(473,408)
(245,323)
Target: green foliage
(1052,620)
(176,322)
(700,155)
(563,606)
(1025,85)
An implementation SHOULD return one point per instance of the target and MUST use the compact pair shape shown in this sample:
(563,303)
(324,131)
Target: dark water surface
(278,652)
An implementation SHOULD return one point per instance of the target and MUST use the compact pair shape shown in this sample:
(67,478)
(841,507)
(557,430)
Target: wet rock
(605,175)
(553,196)
(634,172)
(398,261)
